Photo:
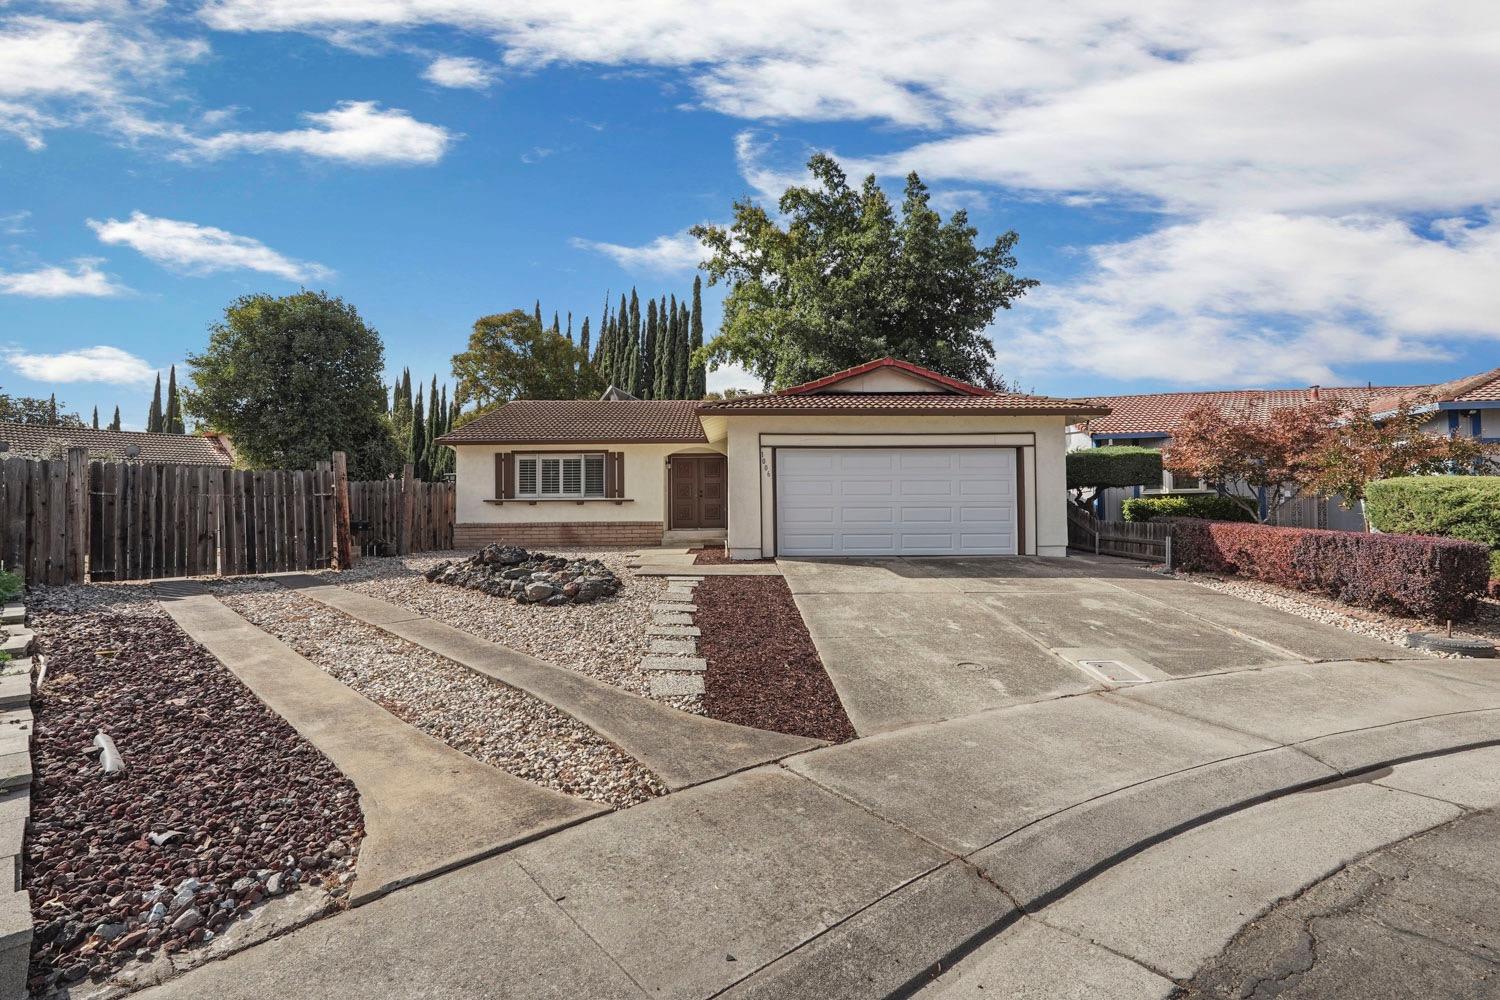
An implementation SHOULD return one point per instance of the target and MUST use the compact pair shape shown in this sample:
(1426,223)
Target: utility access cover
(1113,672)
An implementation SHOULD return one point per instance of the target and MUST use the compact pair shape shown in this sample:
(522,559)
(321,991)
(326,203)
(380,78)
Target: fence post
(343,556)
(77,515)
(408,509)
(1169,549)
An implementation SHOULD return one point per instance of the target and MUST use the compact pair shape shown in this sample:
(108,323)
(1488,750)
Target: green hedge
(1208,506)
(1465,507)
(1113,465)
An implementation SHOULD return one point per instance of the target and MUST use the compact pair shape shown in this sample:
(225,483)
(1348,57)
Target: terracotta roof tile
(1159,413)
(542,421)
(41,440)
(1484,387)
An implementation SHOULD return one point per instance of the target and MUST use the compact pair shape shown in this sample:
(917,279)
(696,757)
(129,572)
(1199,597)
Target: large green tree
(293,379)
(510,356)
(847,279)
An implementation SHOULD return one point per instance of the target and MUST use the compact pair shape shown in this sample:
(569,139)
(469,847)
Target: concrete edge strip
(16,926)
(962,949)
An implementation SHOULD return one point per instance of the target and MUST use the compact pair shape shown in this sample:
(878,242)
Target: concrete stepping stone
(664,618)
(670,647)
(17,643)
(13,614)
(15,691)
(694,663)
(16,665)
(669,685)
(15,770)
(674,607)
(679,580)
(673,630)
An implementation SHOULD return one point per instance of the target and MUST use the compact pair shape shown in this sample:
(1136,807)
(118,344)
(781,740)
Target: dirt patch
(763,670)
(718,557)
(221,803)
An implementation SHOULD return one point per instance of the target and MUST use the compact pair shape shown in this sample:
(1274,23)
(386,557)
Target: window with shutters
(559,477)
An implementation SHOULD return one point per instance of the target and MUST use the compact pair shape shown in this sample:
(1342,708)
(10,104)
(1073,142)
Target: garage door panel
(896,501)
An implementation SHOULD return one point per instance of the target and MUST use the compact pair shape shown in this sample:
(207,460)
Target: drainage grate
(1113,672)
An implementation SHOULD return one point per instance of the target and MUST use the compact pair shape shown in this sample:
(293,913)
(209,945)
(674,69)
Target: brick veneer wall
(604,533)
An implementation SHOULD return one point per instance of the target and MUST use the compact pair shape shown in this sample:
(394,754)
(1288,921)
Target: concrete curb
(15,803)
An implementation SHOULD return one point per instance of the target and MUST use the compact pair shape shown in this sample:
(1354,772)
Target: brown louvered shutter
(611,484)
(505,475)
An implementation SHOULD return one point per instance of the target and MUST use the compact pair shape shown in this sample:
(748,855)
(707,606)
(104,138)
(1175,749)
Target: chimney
(1312,393)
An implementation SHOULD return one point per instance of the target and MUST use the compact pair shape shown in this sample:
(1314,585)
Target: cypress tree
(114,424)
(617,345)
(173,420)
(416,450)
(153,416)
(434,428)
(697,370)
(537,314)
(556,326)
(680,352)
(648,353)
(583,340)
(96,418)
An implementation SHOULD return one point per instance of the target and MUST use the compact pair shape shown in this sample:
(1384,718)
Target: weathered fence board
(1131,539)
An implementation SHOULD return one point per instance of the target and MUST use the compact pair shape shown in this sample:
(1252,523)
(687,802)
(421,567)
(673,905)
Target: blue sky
(1211,195)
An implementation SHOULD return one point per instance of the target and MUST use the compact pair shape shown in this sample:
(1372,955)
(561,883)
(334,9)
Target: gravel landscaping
(220,805)
(1386,627)
(605,639)
(473,714)
(763,670)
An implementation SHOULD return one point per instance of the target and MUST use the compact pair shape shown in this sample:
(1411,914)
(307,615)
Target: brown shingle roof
(41,440)
(1159,413)
(603,421)
(824,396)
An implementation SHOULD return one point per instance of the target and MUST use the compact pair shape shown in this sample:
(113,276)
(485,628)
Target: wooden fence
(71,520)
(1130,539)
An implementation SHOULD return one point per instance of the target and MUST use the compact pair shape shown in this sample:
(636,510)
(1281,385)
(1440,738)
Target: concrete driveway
(912,640)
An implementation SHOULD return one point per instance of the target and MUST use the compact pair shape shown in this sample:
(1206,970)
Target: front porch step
(694,537)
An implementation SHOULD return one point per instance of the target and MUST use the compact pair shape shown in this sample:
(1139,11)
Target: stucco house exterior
(1466,407)
(881,459)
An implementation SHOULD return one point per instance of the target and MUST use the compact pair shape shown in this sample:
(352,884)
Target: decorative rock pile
(528,577)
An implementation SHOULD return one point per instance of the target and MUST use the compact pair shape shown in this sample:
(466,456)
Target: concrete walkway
(681,748)
(710,569)
(427,807)
(854,871)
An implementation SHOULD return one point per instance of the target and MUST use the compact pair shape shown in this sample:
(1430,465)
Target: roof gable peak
(938,382)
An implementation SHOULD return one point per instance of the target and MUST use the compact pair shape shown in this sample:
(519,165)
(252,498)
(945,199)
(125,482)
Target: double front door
(699,491)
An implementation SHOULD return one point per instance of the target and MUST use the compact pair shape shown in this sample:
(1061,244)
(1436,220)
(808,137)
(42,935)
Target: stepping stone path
(673,661)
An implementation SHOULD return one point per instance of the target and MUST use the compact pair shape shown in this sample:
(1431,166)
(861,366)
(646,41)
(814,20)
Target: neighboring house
(1468,407)
(47,441)
(885,458)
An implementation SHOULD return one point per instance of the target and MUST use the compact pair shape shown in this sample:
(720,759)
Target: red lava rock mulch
(762,668)
(220,805)
(718,557)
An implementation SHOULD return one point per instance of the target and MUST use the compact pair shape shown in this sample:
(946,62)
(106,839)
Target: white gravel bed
(605,639)
(1373,624)
(473,714)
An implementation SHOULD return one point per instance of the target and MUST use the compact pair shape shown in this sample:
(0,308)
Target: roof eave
(950,411)
(545,442)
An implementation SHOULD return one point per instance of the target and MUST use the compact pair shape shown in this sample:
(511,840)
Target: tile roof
(42,440)
(1159,413)
(823,396)
(1484,387)
(542,421)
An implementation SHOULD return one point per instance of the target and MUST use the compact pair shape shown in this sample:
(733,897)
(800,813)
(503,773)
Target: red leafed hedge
(1431,578)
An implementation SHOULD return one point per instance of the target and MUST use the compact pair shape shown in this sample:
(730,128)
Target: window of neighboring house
(559,477)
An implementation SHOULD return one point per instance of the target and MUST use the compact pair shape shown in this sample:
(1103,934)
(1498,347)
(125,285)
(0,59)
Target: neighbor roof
(45,440)
(825,396)
(1161,412)
(1481,388)
(543,421)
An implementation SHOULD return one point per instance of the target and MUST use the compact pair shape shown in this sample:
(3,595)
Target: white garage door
(895,501)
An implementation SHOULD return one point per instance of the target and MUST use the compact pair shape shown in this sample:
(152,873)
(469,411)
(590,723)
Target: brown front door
(700,491)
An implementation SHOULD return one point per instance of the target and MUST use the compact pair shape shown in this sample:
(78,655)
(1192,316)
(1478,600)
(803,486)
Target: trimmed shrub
(1113,465)
(1208,506)
(1450,506)
(1430,578)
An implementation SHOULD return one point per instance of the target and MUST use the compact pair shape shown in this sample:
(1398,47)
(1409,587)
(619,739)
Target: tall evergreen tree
(633,368)
(617,343)
(416,449)
(556,326)
(154,416)
(537,313)
(405,400)
(96,418)
(680,352)
(583,339)
(648,353)
(697,370)
(52,410)
(172,420)
(114,424)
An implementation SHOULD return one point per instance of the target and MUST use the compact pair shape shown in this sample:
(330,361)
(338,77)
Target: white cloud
(359,132)
(85,279)
(89,364)
(15,223)
(732,376)
(1256,298)
(458,71)
(665,254)
(196,249)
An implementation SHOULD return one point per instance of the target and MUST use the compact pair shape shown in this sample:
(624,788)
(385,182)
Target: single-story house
(1468,407)
(53,441)
(881,459)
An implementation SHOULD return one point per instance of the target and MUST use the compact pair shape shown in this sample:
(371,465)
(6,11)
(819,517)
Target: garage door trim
(1020,466)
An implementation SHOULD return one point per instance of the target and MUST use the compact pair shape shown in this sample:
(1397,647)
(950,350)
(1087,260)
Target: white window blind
(560,476)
